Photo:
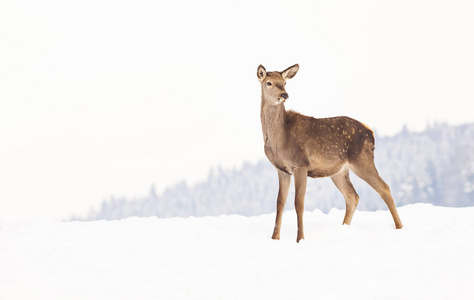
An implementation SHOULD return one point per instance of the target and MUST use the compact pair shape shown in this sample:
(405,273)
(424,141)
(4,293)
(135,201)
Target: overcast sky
(101,98)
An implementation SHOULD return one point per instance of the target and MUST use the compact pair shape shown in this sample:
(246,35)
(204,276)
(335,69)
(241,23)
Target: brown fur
(308,147)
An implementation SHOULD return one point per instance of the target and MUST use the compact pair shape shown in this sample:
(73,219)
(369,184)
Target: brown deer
(307,147)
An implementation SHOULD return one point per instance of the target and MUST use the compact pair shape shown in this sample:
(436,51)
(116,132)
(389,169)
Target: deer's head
(273,84)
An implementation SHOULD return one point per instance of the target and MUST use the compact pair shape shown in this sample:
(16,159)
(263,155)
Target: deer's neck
(273,124)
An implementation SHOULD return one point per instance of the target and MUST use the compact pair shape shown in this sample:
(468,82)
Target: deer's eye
(269,83)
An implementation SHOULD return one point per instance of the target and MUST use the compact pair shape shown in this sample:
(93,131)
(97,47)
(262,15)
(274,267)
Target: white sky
(101,98)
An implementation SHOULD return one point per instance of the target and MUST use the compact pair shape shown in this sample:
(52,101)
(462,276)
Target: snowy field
(233,257)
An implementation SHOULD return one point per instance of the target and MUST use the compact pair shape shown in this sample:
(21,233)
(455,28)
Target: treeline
(435,166)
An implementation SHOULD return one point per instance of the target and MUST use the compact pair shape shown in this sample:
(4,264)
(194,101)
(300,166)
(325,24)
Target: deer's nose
(284,96)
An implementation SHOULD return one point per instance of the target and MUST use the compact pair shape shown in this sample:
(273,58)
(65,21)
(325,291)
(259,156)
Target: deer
(303,146)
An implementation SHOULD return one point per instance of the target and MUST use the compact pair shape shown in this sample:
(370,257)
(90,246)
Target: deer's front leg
(301,177)
(284,182)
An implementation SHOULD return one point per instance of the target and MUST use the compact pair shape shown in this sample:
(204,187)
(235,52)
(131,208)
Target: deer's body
(307,147)
(323,146)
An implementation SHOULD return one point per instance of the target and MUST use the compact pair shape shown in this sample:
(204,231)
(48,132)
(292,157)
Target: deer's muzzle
(283,97)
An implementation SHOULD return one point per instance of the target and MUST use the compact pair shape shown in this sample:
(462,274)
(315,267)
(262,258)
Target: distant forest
(435,166)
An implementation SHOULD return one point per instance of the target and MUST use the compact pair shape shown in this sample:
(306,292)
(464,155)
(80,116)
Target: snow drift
(233,257)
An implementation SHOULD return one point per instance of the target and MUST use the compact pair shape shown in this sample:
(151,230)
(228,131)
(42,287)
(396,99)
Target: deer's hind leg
(364,167)
(344,185)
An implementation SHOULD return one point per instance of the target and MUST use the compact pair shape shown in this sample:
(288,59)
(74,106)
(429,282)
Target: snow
(233,257)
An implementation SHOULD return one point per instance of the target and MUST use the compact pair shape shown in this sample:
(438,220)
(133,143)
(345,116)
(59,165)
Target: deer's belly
(318,173)
(323,168)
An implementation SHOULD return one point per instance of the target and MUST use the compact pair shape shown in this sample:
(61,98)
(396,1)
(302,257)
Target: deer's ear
(290,72)
(261,73)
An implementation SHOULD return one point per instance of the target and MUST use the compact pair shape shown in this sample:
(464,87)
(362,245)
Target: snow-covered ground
(233,257)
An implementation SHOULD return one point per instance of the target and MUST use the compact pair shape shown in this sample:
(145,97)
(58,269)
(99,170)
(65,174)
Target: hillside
(233,257)
(435,166)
